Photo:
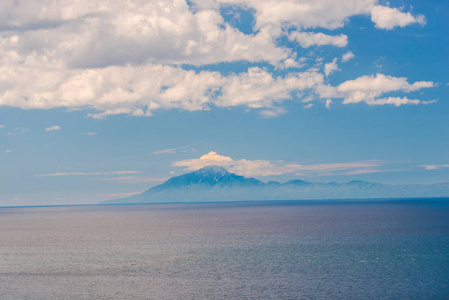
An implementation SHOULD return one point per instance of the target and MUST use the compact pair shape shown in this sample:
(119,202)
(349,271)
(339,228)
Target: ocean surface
(269,250)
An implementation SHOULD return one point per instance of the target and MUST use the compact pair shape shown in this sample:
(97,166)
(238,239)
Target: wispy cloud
(166,151)
(135,179)
(60,168)
(88,174)
(89,133)
(18,131)
(434,167)
(273,112)
(268,168)
(52,128)
(362,171)
(8,151)
(307,106)
(2,126)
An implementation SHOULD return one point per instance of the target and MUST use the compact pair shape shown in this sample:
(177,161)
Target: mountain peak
(206,178)
(213,170)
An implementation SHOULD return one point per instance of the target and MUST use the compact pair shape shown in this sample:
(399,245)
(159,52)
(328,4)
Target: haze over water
(282,250)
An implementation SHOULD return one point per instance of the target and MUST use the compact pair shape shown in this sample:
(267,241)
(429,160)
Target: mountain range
(214,183)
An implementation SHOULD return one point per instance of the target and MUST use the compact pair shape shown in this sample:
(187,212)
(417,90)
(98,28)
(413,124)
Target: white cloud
(363,171)
(139,91)
(108,33)
(257,88)
(397,101)
(329,14)
(17,131)
(166,151)
(2,126)
(56,127)
(331,67)
(307,106)
(382,83)
(387,18)
(308,39)
(88,174)
(292,63)
(308,99)
(8,151)
(347,56)
(368,88)
(273,112)
(328,103)
(89,133)
(434,167)
(253,168)
(126,57)
(134,179)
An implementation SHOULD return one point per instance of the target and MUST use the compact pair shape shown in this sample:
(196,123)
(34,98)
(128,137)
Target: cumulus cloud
(331,67)
(383,83)
(56,127)
(328,103)
(129,57)
(397,101)
(329,14)
(116,33)
(258,88)
(139,91)
(387,18)
(253,168)
(369,88)
(347,56)
(308,39)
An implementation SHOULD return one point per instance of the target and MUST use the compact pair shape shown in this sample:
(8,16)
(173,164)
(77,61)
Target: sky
(105,99)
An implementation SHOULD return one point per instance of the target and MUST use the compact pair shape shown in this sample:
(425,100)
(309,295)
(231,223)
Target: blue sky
(102,100)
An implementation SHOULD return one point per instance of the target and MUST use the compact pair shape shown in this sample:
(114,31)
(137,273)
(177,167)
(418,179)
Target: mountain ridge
(215,183)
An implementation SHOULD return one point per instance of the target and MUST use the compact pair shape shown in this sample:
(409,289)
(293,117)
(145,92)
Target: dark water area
(263,250)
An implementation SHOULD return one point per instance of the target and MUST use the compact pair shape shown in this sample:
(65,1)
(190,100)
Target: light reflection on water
(216,251)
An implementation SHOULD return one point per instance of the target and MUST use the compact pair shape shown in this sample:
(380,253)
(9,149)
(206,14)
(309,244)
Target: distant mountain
(214,183)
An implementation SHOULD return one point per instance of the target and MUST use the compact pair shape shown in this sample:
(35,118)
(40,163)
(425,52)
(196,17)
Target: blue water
(269,250)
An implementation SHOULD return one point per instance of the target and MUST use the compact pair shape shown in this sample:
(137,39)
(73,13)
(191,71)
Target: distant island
(214,184)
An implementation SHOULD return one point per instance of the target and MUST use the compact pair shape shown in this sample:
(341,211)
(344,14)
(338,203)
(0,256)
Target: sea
(394,249)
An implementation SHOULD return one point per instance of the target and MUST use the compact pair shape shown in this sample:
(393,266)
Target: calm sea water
(272,250)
